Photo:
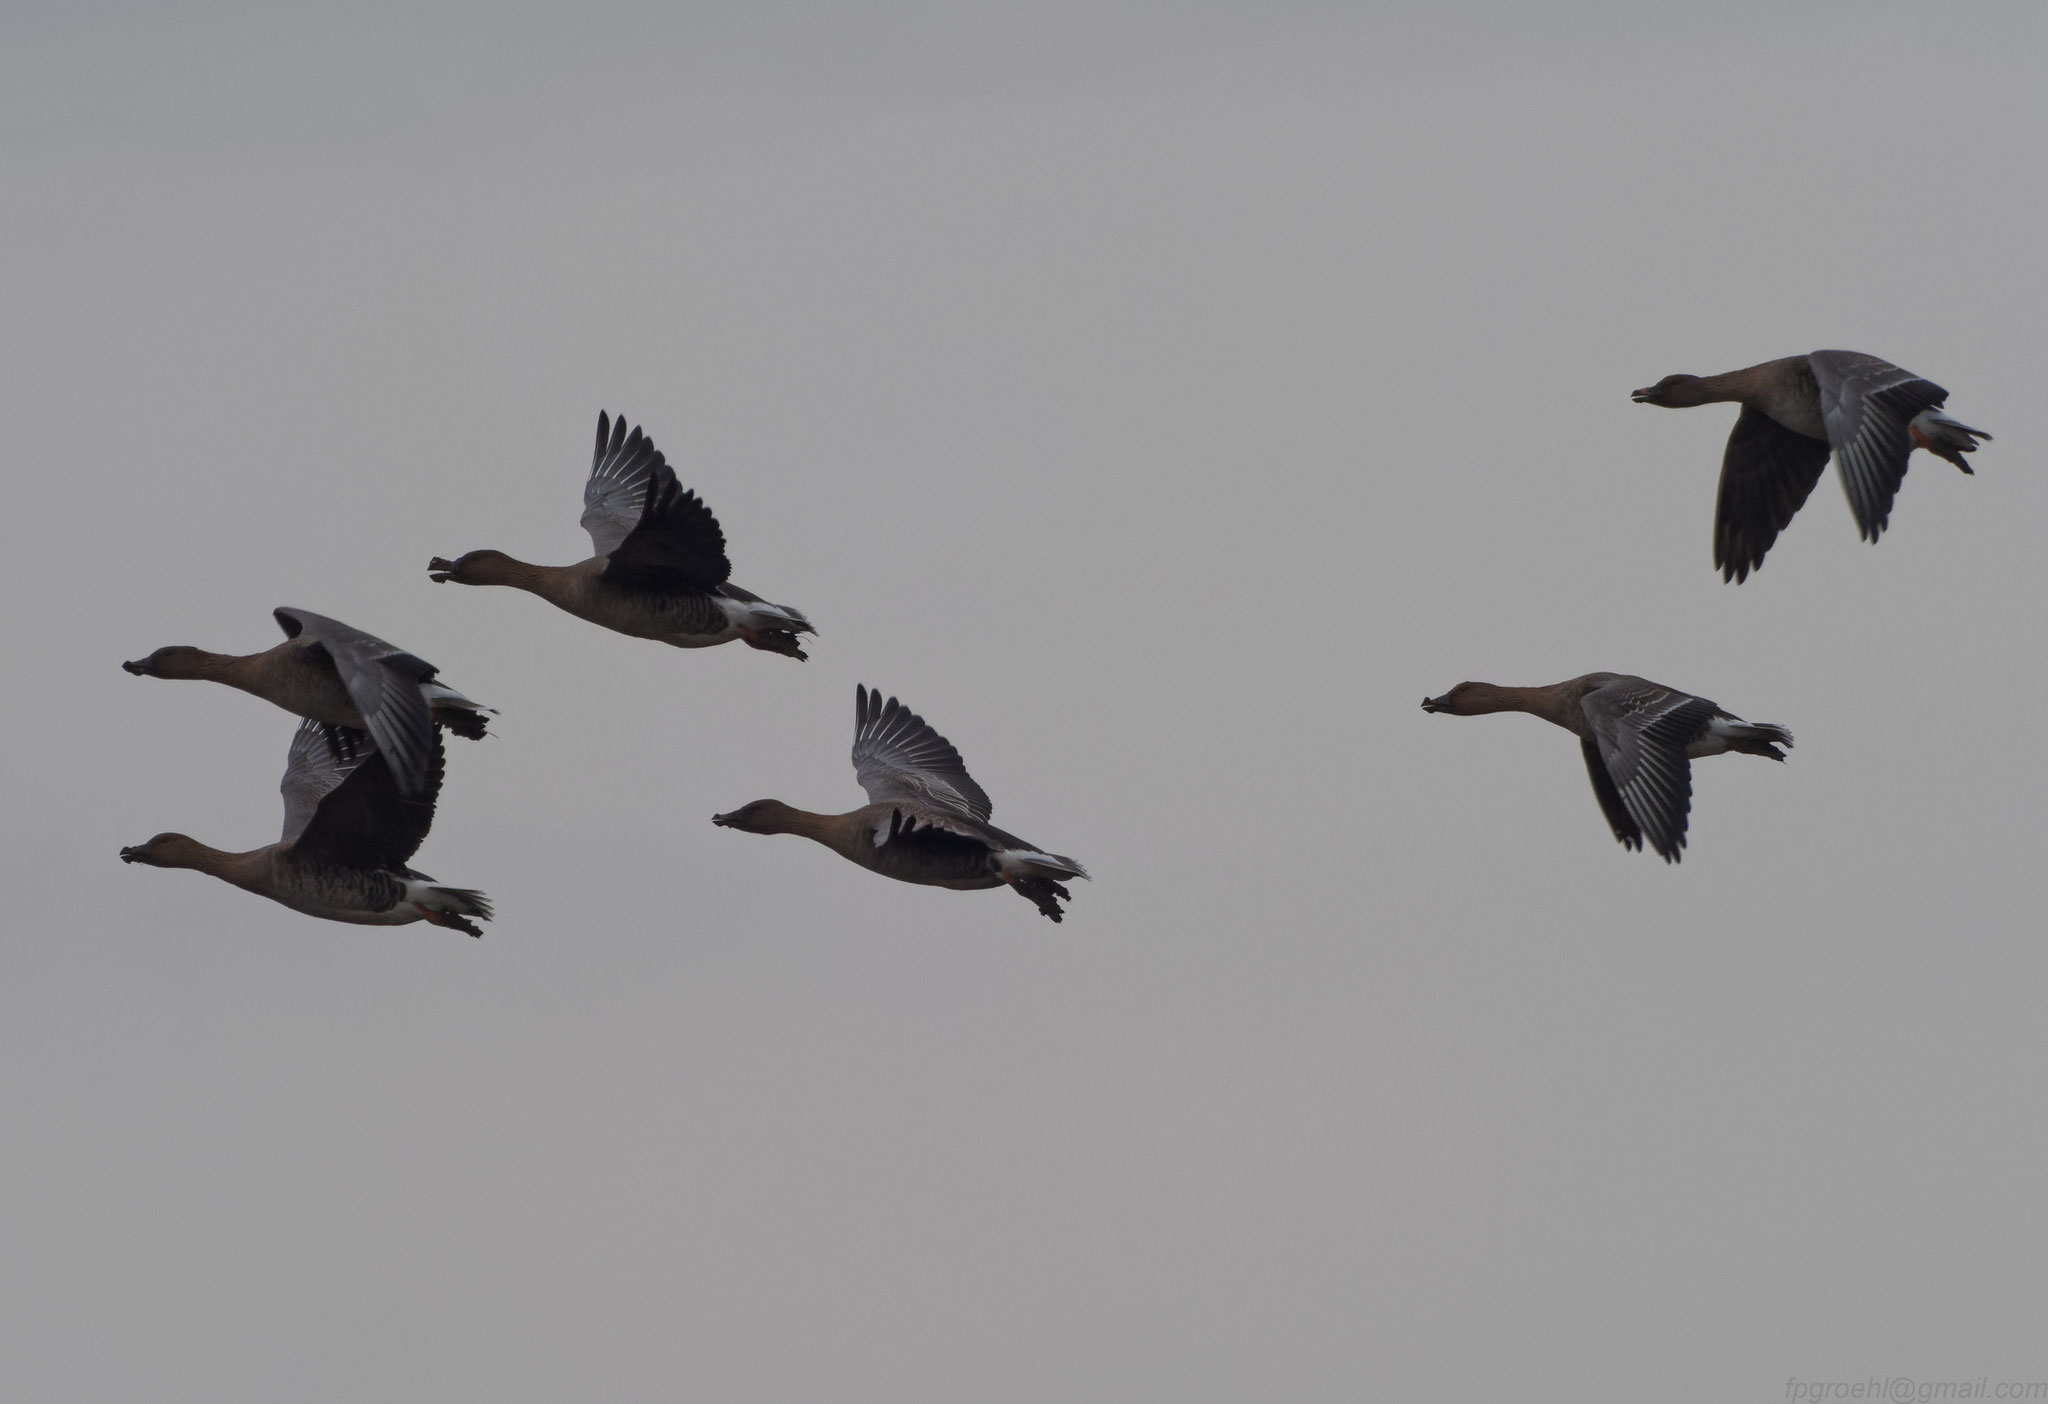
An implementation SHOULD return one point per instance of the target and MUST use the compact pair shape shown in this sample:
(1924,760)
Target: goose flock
(366,763)
(1640,737)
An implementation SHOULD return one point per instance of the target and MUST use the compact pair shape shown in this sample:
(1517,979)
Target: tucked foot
(1046,893)
(450,906)
(780,641)
(451,921)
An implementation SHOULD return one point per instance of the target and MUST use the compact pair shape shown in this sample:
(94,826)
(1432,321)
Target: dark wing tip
(611,435)
(868,708)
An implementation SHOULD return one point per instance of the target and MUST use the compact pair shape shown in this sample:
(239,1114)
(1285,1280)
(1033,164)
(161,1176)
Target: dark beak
(1645,396)
(1433,704)
(131,855)
(721,819)
(138,666)
(440,571)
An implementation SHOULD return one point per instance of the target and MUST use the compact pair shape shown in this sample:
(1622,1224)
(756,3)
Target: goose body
(927,819)
(1796,411)
(327,672)
(660,566)
(1638,738)
(349,832)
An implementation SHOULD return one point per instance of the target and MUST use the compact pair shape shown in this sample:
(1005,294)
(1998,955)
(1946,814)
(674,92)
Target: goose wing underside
(657,535)
(342,806)
(898,756)
(1767,474)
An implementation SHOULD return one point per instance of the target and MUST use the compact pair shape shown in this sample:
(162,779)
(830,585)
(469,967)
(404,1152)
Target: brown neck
(842,833)
(242,869)
(824,828)
(1553,704)
(198,663)
(1727,386)
(501,569)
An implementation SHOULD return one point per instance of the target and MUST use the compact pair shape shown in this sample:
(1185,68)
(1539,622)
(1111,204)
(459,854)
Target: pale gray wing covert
(383,681)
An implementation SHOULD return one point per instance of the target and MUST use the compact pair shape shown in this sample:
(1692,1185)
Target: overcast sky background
(1162,403)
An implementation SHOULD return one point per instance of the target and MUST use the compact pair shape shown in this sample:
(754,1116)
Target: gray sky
(1162,406)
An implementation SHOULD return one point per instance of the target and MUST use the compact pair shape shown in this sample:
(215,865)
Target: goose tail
(1946,438)
(462,715)
(772,628)
(451,907)
(1755,738)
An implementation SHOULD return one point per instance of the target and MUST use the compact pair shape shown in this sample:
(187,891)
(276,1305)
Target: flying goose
(926,820)
(327,672)
(1638,738)
(348,834)
(1794,411)
(660,568)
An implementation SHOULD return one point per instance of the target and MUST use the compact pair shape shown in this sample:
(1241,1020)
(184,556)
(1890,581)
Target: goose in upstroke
(660,569)
(349,832)
(926,821)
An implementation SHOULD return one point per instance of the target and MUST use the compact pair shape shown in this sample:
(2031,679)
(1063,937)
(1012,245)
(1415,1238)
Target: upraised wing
(342,808)
(658,536)
(320,758)
(1867,404)
(1636,758)
(897,756)
(384,683)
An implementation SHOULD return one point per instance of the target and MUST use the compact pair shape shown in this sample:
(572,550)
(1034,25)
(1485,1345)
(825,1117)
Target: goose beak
(132,855)
(1645,396)
(722,820)
(1434,704)
(440,571)
(136,666)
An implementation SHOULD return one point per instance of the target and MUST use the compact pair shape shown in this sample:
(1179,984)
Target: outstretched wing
(1625,827)
(1640,733)
(384,683)
(1766,475)
(342,808)
(897,756)
(657,536)
(1868,403)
